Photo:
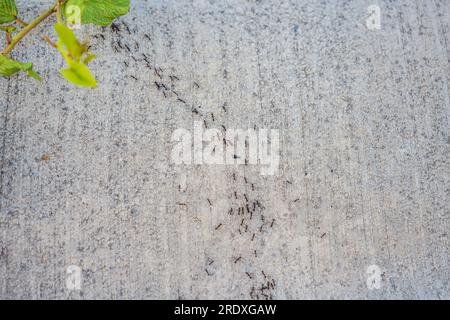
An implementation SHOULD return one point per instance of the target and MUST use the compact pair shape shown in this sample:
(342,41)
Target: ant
(157,73)
(115,27)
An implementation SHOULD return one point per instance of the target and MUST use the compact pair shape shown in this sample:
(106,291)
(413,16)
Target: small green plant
(69,14)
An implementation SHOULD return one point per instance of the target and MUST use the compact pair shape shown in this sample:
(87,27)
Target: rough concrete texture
(87,178)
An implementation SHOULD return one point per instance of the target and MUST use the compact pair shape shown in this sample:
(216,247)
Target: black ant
(115,27)
(157,73)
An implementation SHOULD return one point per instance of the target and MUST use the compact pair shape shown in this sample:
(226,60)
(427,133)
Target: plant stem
(50,42)
(27,29)
(21,22)
(58,12)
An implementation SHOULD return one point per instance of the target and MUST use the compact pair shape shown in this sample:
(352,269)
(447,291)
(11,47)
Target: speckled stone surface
(363,115)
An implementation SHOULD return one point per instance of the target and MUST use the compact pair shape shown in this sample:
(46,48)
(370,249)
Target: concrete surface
(87,178)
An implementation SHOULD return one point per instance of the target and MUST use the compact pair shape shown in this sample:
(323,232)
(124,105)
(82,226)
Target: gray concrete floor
(87,178)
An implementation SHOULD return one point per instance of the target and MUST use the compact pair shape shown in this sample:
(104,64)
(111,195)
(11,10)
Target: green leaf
(8,29)
(99,12)
(76,57)
(89,58)
(9,67)
(8,11)
(69,40)
(79,74)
